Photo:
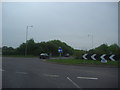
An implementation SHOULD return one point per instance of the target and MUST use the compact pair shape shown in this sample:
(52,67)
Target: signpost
(60,50)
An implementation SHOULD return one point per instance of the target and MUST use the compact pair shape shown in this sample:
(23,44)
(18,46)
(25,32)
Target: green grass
(86,62)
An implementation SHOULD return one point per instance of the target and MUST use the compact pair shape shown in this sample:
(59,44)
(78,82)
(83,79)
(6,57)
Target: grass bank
(84,62)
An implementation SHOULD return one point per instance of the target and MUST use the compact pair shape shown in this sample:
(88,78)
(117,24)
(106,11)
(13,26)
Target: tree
(8,50)
(53,46)
(30,47)
(21,49)
(78,53)
(50,47)
(114,49)
(102,49)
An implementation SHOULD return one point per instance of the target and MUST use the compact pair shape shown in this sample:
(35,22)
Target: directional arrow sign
(93,56)
(102,57)
(111,57)
(84,56)
(60,50)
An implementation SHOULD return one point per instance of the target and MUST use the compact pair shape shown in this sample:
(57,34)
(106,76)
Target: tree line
(33,48)
(102,49)
(51,47)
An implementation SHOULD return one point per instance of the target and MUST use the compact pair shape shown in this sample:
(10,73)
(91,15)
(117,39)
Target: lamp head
(31,26)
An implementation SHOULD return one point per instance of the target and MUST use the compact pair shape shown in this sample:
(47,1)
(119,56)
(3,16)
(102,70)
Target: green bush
(78,54)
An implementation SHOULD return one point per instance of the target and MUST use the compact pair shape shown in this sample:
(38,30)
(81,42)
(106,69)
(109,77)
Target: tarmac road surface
(37,73)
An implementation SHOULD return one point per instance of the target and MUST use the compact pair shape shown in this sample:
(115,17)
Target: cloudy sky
(72,22)
(0,24)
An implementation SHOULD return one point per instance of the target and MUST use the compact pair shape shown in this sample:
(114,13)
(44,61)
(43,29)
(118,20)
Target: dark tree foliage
(114,49)
(105,49)
(8,50)
(53,46)
(102,49)
(50,47)
(78,53)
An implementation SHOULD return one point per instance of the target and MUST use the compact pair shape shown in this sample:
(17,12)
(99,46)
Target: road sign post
(60,51)
(60,54)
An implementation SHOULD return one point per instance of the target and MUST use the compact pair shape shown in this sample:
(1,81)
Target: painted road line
(87,78)
(73,82)
(21,72)
(51,75)
(1,70)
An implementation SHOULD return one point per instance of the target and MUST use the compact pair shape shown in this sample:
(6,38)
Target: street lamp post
(26,39)
(92,39)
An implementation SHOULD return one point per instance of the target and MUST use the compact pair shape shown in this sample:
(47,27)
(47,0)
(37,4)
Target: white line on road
(22,72)
(87,78)
(1,70)
(51,75)
(73,82)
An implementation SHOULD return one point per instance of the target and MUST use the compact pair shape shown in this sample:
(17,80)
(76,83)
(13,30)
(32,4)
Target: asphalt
(37,73)
(0,72)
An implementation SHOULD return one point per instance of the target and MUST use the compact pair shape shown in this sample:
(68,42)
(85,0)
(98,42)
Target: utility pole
(92,39)
(26,38)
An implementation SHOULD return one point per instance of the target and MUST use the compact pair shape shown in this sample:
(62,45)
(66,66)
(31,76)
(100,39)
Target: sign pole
(60,55)
(60,51)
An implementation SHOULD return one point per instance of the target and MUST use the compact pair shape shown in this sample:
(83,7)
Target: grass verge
(85,62)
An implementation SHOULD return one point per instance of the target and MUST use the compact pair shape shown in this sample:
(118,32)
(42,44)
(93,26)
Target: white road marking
(51,75)
(87,78)
(73,82)
(1,70)
(22,72)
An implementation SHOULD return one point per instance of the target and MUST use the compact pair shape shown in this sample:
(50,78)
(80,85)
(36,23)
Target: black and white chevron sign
(111,57)
(84,56)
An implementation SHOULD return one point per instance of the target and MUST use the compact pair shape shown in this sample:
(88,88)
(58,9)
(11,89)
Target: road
(37,73)
(0,72)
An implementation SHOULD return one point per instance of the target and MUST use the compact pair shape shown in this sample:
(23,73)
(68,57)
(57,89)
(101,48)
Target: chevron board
(111,57)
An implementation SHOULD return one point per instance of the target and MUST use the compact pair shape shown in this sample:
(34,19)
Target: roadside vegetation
(34,49)
(102,49)
(84,62)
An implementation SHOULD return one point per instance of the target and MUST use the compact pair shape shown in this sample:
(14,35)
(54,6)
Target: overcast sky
(0,24)
(72,22)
